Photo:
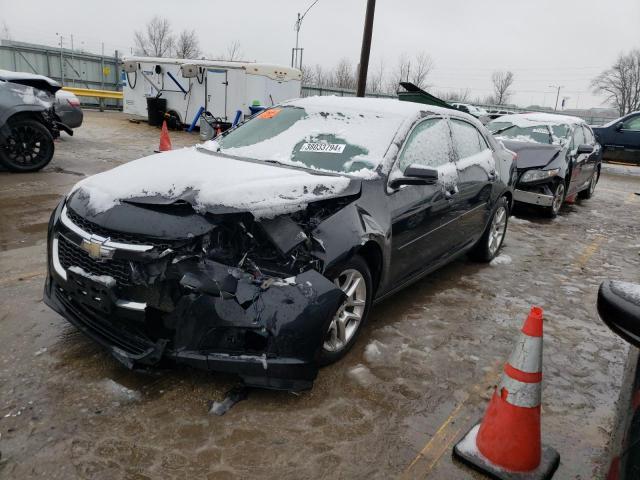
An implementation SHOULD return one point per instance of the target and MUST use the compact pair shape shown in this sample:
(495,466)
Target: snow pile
(120,393)
(501,260)
(362,375)
(263,189)
(372,352)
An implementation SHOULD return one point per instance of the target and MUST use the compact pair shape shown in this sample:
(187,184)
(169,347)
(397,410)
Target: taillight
(74,102)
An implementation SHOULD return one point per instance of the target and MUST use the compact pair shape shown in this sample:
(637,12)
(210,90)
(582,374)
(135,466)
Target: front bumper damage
(533,197)
(266,329)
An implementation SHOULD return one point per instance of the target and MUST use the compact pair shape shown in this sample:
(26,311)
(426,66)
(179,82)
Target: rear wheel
(492,239)
(558,199)
(354,279)
(28,148)
(588,193)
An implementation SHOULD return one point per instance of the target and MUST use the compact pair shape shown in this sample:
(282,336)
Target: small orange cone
(506,445)
(165,141)
(218,130)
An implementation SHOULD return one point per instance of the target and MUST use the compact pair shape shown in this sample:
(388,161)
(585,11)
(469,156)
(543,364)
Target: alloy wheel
(27,146)
(497,231)
(558,198)
(347,319)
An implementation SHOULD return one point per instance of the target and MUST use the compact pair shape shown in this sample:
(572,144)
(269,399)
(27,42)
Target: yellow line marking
(442,437)
(21,277)
(588,251)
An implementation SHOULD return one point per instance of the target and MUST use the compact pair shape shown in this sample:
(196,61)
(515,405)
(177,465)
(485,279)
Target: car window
(632,124)
(578,136)
(429,145)
(588,135)
(560,131)
(467,141)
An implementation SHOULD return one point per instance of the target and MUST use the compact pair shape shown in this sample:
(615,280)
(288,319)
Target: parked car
(28,126)
(557,157)
(619,308)
(262,252)
(620,138)
(68,108)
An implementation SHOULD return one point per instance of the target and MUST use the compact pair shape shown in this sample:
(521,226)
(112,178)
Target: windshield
(545,134)
(335,141)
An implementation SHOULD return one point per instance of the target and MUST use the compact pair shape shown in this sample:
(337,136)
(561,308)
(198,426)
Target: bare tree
(233,52)
(621,83)
(502,82)
(415,71)
(187,45)
(308,76)
(420,70)
(375,82)
(344,75)
(156,40)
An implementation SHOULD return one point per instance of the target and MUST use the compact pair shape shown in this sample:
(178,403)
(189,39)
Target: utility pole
(557,87)
(61,60)
(296,53)
(366,48)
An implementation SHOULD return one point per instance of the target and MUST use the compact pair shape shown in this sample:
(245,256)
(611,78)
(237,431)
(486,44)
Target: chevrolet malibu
(262,251)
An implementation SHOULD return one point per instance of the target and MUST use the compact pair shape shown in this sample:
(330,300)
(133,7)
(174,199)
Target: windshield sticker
(541,130)
(323,147)
(272,112)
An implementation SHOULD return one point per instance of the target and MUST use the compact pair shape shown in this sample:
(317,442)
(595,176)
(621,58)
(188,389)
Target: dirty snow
(501,259)
(119,392)
(263,189)
(519,221)
(372,351)
(362,375)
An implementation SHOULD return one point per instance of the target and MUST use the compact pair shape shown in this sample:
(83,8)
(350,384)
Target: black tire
(485,250)
(358,264)
(29,147)
(559,194)
(591,189)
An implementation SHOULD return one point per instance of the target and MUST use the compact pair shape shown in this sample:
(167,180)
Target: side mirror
(584,148)
(416,175)
(619,126)
(619,308)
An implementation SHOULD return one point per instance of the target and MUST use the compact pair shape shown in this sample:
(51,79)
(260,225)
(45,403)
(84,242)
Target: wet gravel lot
(418,378)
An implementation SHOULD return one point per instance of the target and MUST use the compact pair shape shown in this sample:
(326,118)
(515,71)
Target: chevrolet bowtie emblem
(96,249)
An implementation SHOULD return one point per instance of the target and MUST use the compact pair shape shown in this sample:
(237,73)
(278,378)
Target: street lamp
(296,53)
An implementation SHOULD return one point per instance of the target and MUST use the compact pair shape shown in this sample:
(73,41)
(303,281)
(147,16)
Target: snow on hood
(262,189)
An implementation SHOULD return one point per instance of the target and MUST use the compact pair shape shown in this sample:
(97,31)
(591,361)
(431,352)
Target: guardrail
(90,92)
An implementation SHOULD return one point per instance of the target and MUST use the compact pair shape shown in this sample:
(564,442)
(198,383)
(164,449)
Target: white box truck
(221,88)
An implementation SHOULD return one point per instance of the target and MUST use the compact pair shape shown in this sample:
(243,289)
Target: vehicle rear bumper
(533,198)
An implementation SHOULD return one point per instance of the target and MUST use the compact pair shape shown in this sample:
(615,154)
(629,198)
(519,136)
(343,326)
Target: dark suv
(621,138)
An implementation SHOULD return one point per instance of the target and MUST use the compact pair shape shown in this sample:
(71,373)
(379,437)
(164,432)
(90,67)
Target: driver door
(422,215)
(576,160)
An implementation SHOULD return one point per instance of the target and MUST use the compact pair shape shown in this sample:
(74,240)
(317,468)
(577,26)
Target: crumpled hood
(532,155)
(211,183)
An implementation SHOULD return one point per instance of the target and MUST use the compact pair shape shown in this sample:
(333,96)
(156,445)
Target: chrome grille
(71,255)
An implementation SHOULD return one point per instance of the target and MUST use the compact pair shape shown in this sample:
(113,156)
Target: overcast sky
(544,42)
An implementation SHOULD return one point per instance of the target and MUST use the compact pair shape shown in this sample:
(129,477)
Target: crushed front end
(233,294)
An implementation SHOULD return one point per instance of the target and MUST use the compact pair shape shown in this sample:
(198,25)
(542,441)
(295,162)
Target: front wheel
(558,199)
(28,148)
(493,237)
(588,193)
(354,279)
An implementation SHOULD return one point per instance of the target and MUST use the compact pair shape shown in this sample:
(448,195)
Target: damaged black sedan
(261,252)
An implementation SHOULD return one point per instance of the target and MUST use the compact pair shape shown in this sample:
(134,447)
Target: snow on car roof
(537,118)
(10,76)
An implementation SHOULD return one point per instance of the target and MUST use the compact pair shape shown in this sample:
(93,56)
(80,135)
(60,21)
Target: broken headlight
(537,175)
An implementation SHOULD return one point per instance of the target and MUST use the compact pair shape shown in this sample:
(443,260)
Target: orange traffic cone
(506,445)
(165,141)
(218,130)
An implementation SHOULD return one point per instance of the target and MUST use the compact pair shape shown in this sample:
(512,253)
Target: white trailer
(222,88)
